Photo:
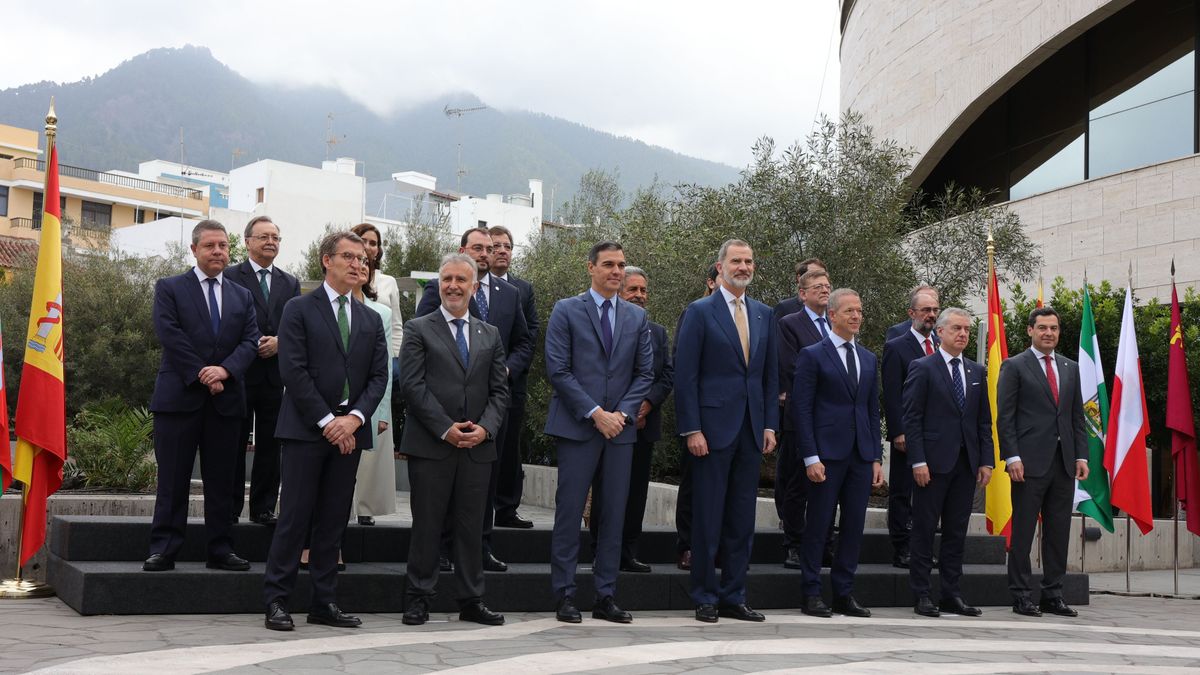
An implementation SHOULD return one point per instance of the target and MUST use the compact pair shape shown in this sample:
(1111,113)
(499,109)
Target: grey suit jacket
(439,391)
(1030,425)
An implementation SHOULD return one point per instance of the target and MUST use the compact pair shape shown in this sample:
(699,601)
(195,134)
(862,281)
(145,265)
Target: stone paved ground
(1113,634)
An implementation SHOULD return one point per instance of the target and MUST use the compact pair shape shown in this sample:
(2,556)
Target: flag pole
(1128,518)
(1175,485)
(1082,544)
(18,588)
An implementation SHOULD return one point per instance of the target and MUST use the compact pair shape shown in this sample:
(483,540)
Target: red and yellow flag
(5,455)
(41,402)
(1181,421)
(998,504)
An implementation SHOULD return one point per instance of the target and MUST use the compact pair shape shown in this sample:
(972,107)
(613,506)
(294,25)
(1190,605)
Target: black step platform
(95,565)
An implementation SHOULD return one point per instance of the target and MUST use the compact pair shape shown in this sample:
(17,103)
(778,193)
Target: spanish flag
(998,505)
(41,402)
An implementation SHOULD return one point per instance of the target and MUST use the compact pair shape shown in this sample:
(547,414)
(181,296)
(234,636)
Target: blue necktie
(960,396)
(821,325)
(851,362)
(461,339)
(481,301)
(606,326)
(214,314)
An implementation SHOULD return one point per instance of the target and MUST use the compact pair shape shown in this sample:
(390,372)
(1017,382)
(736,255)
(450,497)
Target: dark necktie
(214,313)
(851,362)
(481,301)
(960,396)
(1051,379)
(928,346)
(344,330)
(821,325)
(606,326)
(262,281)
(461,339)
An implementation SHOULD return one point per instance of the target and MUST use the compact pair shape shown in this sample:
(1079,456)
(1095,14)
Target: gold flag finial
(51,121)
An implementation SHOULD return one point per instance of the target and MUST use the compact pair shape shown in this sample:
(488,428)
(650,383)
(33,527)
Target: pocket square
(974,384)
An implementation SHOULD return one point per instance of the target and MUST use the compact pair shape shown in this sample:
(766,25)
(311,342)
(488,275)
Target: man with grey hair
(948,422)
(903,327)
(208,334)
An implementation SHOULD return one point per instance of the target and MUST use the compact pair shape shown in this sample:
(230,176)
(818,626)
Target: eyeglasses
(928,310)
(819,287)
(500,245)
(352,258)
(267,237)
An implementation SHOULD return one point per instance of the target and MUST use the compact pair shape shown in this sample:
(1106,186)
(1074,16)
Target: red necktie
(928,347)
(1051,379)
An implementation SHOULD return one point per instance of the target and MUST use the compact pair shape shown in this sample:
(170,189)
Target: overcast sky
(703,78)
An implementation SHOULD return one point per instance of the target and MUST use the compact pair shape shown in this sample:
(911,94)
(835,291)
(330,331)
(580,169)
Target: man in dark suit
(836,404)
(334,359)
(271,288)
(948,422)
(208,335)
(798,330)
(456,391)
(510,483)
(905,325)
(683,496)
(1039,419)
(498,303)
(898,352)
(727,406)
(793,304)
(600,365)
(649,430)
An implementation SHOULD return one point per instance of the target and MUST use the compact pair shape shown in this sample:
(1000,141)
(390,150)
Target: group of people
(314,377)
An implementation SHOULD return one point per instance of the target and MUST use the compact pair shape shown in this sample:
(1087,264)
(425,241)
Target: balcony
(110,179)
(26,223)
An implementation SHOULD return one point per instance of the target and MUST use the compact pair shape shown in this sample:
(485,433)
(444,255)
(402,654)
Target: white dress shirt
(962,372)
(333,304)
(612,320)
(922,338)
(216,291)
(1041,359)
(256,267)
(450,319)
(838,341)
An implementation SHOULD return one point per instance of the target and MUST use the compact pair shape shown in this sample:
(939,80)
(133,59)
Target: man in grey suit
(1043,442)
(601,366)
(456,388)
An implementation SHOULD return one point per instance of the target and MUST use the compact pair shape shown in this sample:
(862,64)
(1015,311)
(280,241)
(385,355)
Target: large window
(95,216)
(3,200)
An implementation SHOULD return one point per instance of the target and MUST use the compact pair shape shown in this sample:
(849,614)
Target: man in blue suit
(600,365)
(727,407)
(948,424)
(836,404)
(335,363)
(209,336)
(898,352)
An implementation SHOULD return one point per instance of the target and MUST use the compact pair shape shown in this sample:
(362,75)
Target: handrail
(110,178)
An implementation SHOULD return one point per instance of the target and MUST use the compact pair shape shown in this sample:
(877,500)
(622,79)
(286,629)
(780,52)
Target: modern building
(1081,116)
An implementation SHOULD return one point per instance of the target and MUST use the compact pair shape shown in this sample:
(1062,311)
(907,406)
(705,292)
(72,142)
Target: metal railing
(26,223)
(110,178)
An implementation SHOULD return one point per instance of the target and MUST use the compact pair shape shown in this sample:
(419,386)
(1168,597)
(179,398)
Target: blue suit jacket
(182,325)
(505,312)
(937,429)
(832,414)
(714,386)
(583,376)
(898,352)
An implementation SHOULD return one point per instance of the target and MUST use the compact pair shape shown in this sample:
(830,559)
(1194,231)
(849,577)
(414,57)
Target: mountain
(135,111)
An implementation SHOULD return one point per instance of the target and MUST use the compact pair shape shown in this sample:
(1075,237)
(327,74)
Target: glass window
(1150,122)
(1063,168)
(3,200)
(95,216)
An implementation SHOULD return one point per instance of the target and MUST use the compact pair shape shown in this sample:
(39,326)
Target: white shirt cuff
(358,413)
(1013,459)
(809,461)
(325,420)
(920,464)
(592,412)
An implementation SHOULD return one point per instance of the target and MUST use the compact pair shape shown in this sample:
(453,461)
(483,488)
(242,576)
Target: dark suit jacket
(439,391)
(181,322)
(714,385)
(833,415)
(504,312)
(897,354)
(314,366)
(937,429)
(664,378)
(1028,422)
(532,325)
(899,329)
(787,307)
(284,287)
(796,331)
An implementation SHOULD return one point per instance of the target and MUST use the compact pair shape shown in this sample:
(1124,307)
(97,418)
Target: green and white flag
(1092,495)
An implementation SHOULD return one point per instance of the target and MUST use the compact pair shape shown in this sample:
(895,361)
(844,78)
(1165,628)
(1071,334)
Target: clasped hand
(340,432)
(609,424)
(465,434)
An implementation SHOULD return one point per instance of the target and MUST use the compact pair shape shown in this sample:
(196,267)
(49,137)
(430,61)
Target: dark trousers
(847,485)
(723,505)
(455,487)
(1050,495)
(317,488)
(791,494)
(510,481)
(262,412)
(900,502)
(487,517)
(635,502)
(683,500)
(177,437)
(947,497)
(579,462)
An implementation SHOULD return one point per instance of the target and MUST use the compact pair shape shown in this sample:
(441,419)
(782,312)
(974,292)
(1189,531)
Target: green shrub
(110,446)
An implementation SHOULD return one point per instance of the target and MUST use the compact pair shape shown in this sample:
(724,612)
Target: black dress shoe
(706,613)
(815,606)
(366,520)
(264,518)
(515,521)
(792,560)
(444,565)
(229,562)
(956,605)
(158,563)
(850,607)
(925,607)
(740,612)
(278,618)
(1025,607)
(685,560)
(1056,606)
(634,565)
(417,611)
(478,612)
(330,615)
(492,564)
(901,560)
(567,611)
(607,609)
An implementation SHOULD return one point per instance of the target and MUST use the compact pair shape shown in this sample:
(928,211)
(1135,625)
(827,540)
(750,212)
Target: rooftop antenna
(330,139)
(459,112)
